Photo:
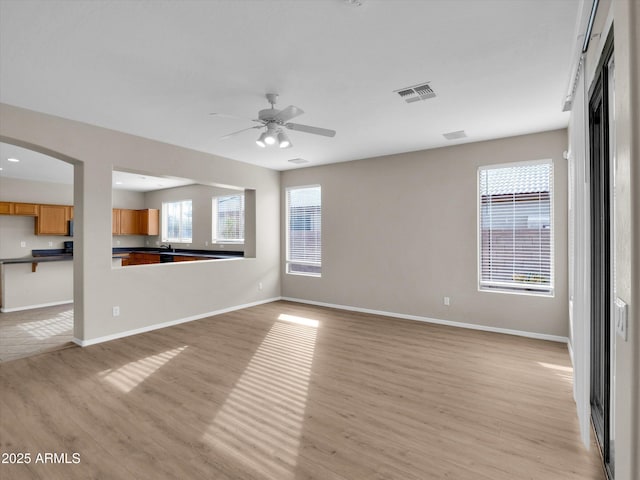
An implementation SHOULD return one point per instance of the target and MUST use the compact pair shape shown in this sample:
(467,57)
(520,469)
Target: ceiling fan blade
(226,115)
(239,131)
(287,114)
(308,129)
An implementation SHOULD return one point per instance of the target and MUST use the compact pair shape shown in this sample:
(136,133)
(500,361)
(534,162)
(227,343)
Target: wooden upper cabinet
(115,221)
(6,208)
(149,221)
(129,222)
(53,220)
(30,209)
(135,222)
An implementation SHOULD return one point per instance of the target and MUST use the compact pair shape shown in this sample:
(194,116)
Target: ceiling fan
(274,122)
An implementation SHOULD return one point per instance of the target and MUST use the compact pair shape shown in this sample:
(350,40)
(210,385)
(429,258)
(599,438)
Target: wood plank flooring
(289,391)
(32,332)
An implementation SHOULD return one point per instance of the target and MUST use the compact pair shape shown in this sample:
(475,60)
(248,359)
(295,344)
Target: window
(228,219)
(304,239)
(516,227)
(177,221)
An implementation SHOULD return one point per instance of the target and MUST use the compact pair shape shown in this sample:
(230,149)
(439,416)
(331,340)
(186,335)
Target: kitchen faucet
(165,246)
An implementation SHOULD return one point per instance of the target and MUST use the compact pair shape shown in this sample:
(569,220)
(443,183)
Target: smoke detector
(415,93)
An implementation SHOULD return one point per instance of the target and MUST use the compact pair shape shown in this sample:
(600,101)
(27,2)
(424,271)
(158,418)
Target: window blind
(516,227)
(177,221)
(304,233)
(228,218)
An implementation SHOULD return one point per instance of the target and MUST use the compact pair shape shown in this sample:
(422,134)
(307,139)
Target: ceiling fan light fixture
(269,138)
(283,140)
(261,140)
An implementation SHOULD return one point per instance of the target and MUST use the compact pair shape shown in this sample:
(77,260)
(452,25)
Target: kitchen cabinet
(149,221)
(184,258)
(49,219)
(129,222)
(30,209)
(53,219)
(137,258)
(6,208)
(16,208)
(135,222)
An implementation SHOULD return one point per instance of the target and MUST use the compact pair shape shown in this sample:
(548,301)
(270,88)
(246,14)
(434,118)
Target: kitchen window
(304,233)
(515,237)
(228,219)
(177,221)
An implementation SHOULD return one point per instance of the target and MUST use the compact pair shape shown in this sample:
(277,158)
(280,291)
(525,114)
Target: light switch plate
(621,318)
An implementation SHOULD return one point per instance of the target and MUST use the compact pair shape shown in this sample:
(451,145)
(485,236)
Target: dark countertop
(179,252)
(37,259)
(59,255)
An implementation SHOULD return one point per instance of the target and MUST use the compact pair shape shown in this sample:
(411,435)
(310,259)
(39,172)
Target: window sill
(518,291)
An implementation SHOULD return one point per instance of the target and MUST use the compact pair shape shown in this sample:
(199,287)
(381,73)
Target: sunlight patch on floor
(566,373)
(260,423)
(61,324)
(127,377)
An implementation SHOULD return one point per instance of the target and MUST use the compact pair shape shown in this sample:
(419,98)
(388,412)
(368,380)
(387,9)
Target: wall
(201,196)
(155,294)
(399,234)
(624,15)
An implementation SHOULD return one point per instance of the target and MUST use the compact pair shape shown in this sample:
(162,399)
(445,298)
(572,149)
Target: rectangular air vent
(422,91)
(298,161)
(455,135)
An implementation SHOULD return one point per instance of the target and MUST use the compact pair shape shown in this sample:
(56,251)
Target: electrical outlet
(446,301)
(23,244)
(116,311)
(260,286)
(117,242)
(206,244)
(51,244)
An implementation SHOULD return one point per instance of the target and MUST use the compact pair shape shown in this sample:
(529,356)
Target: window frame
(288,261)
(508,287)
(164,232)
(214,221)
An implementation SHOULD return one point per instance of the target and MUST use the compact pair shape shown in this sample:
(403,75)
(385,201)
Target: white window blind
(304,235)
(228,219)
(177,225)
(516,227)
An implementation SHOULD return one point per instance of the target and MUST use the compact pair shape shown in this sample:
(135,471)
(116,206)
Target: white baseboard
(472,326)
(31,307)
(136,331)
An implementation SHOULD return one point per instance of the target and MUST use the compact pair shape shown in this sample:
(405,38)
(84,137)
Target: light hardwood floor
(288,391)
(32,332)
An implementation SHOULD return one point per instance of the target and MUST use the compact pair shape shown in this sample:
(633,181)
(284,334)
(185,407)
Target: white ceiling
(157,69)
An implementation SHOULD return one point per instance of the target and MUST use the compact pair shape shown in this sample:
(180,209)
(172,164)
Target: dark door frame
(600,255)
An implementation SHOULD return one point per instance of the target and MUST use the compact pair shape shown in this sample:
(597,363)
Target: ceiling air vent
(455,135)
(422,91)
(298,161)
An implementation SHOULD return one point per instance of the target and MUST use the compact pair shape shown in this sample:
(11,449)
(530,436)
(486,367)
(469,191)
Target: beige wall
(624,15)
(202,198)
(626,19)
(399,234)
(153,294)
